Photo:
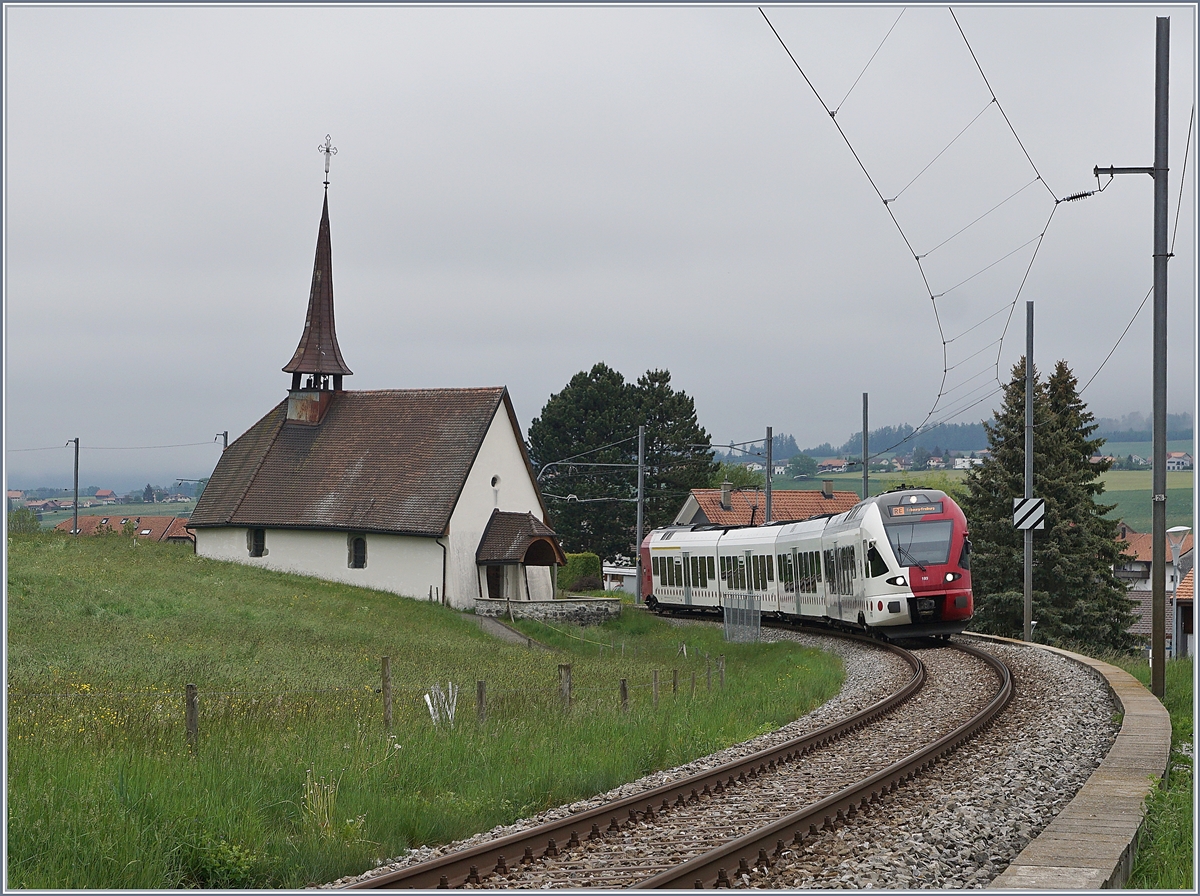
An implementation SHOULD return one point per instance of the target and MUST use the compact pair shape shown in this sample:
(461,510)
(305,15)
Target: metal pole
(1158,584)
(865,492)
(641,500)
(767,501)
(1028,630)
(75,512)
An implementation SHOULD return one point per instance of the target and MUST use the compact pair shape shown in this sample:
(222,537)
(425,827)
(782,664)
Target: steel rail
(479,861)
(759,849)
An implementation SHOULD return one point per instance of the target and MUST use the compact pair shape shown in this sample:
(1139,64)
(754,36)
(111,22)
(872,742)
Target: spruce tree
(1076,597)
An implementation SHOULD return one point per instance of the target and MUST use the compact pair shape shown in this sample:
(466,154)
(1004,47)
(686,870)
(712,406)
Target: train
(897,565)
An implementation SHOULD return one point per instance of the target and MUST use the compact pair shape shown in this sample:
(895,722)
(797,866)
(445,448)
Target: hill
(293,778)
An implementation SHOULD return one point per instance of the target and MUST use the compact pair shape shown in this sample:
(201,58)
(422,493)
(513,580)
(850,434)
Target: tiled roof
(1186,588)
(153,528)
(179,530)
(790,504)
(508,537)
(384,461)
(1140,546)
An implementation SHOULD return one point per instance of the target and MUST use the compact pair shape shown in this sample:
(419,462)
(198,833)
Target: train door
(687,581)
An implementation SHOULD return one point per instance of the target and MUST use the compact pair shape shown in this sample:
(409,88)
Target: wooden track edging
(1090,844)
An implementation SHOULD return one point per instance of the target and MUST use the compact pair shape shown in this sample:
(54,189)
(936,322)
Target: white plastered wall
(499,456)
(397,563)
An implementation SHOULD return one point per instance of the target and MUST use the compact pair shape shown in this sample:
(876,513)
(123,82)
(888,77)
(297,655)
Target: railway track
(724,824)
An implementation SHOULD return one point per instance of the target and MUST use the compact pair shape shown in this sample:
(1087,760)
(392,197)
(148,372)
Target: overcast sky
(519,193)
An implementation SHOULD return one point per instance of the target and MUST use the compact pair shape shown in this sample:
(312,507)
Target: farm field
(293,778)
(1130,490)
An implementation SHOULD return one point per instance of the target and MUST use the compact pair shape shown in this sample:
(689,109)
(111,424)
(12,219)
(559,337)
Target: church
(426,493)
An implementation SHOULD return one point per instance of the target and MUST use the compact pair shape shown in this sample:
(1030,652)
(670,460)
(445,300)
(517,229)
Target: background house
(744,507)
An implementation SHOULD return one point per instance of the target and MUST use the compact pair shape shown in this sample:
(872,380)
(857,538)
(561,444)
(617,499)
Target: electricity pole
(641,500)
(1158,553)
(865,493)
(75,513)
(1028,631)
(767,501)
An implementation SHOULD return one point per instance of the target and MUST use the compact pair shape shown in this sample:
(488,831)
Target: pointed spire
(318,353)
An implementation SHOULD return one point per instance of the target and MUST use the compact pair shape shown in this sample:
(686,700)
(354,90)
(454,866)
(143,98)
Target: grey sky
(522,192)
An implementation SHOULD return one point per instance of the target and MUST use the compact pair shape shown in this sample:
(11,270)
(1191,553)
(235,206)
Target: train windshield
(923,543)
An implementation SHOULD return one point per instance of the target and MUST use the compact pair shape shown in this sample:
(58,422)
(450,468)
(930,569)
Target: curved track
(601,846)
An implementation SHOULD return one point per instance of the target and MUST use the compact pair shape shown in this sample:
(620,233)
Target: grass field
(293,779)
(1129,490)
(1166,855)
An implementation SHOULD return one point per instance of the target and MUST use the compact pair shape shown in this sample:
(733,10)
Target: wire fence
(84,714)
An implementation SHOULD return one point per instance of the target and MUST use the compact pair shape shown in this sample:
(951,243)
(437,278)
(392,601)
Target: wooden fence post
(674,682)
(624,695)
(654,686)
(191,714)
(693,684)
(707,672)
(721,669)
(564,684)
(481,701)
(387,693)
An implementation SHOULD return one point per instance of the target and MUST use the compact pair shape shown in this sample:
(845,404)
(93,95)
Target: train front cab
(927,532)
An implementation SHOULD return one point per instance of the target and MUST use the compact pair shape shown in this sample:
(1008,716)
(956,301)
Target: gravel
(956,826)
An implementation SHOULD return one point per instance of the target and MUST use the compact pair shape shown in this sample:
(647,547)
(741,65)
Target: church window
(358,552)
(257,539)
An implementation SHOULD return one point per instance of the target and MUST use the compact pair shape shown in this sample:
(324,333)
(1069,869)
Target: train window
(670,572)
(654,565)
(712,570)
(770,569)
(703,570)
(925,542)
(695,571)
(740,572)
(878,566)
(964,559)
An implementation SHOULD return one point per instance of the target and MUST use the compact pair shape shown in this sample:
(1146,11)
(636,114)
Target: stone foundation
(575,611)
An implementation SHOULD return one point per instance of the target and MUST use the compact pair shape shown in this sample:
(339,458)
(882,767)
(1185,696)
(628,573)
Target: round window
(495,481)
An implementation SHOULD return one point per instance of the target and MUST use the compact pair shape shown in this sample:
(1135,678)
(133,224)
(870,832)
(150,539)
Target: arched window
(358,552)
(257,542)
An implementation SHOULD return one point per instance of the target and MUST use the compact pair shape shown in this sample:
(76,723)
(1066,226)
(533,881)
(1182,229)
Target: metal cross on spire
(329,151)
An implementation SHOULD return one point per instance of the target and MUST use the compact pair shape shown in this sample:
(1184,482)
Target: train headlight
(897,580)
(952,576)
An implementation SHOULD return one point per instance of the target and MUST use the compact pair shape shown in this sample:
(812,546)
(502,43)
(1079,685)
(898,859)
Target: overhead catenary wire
(942,386)
(1174,233)
(869,61)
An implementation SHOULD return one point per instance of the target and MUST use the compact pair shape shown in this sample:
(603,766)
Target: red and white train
(898,564)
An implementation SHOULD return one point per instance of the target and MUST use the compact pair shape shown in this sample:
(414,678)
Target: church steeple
(318,355)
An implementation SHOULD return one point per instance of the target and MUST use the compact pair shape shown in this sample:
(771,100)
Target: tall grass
(293,779)
(1166,852)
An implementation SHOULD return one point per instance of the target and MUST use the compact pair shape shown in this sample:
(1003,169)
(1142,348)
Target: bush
(23,521)
(587,583)
(578,566)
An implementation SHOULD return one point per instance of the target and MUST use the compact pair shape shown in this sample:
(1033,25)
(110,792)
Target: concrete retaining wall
(575,611)
(1091,843)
